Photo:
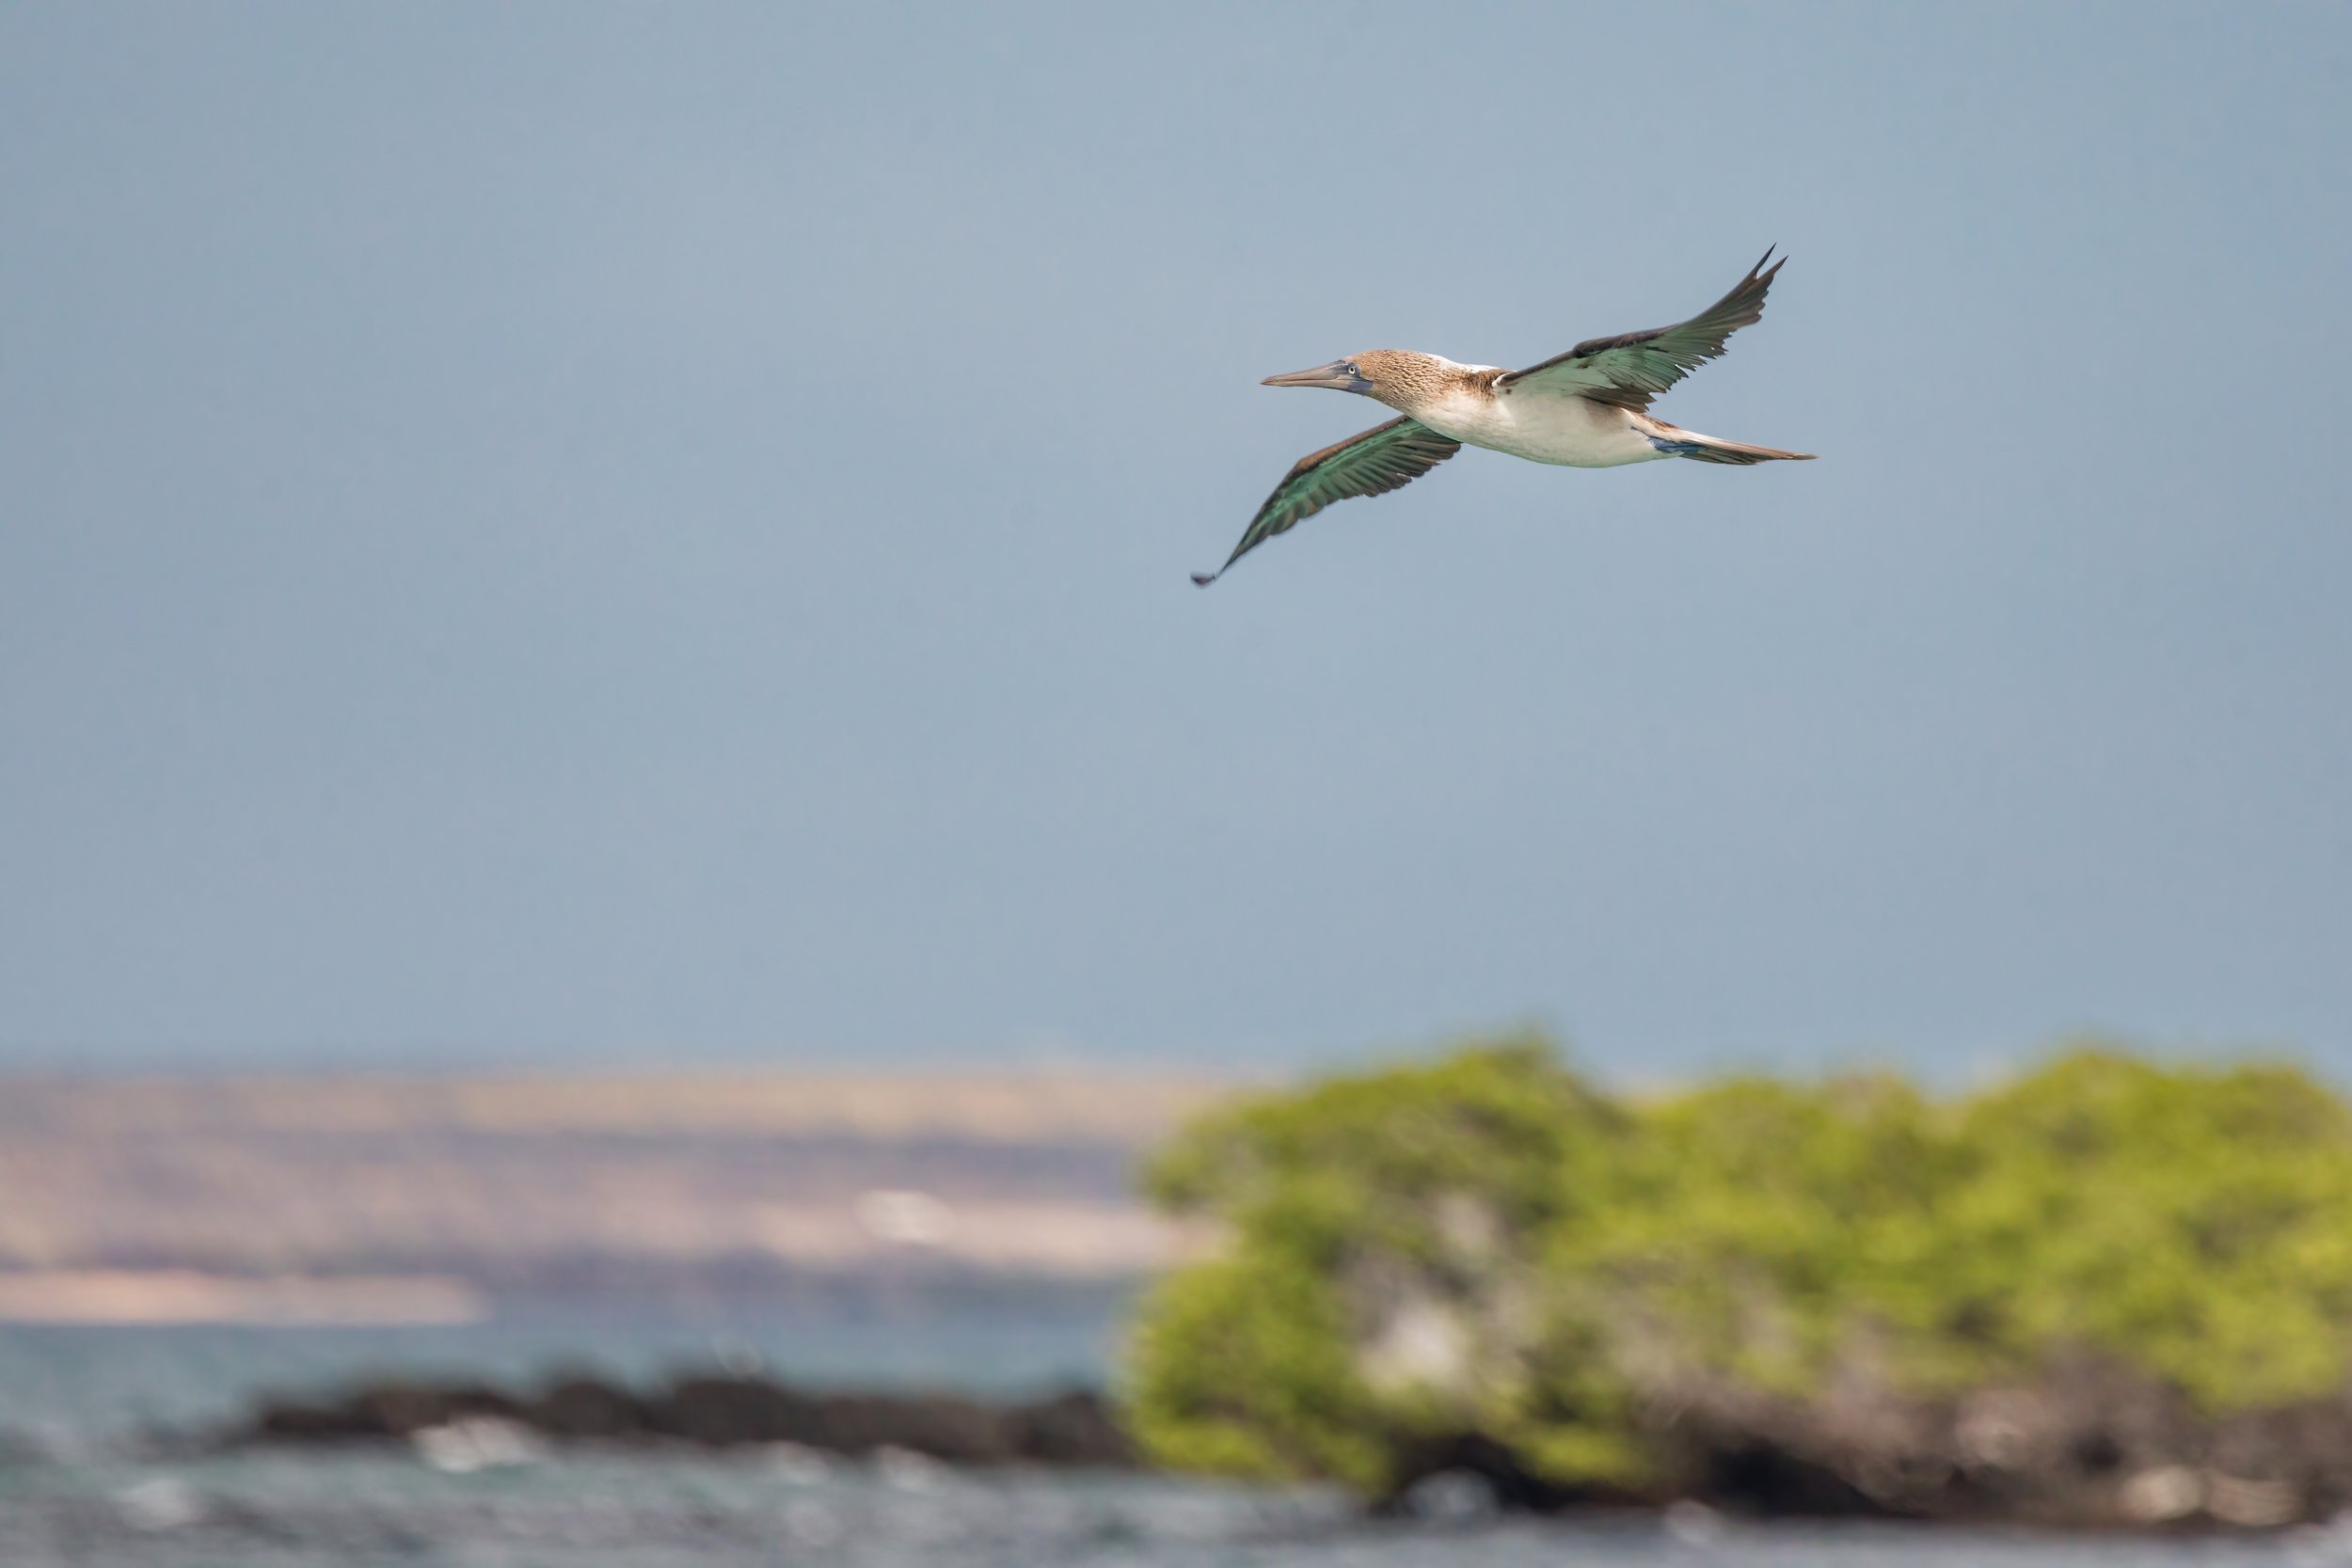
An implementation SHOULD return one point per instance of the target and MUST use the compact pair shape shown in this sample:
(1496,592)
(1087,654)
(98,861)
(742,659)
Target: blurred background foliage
(1490,1243)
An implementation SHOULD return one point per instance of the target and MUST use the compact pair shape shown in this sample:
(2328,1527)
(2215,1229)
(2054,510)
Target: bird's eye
(1351,370)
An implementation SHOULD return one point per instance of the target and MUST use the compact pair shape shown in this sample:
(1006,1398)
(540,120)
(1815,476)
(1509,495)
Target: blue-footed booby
(1587,408)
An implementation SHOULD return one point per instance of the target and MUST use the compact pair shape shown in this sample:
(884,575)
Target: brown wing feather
(1634,367)
(1371,463)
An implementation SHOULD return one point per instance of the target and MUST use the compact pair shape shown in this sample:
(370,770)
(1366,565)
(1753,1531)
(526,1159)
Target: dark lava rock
(1072,1428)
(722,1412)
(390,1409)
(587,1408)
(945,1426)
(2085,1445)
(716,1411)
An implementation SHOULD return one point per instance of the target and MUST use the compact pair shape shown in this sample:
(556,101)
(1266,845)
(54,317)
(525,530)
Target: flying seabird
(1587,408)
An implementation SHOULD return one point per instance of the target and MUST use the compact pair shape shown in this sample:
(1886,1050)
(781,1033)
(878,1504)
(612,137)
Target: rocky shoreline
(2090,1448)
(711,1410)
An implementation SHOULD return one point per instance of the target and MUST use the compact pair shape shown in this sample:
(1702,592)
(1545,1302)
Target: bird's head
(1391,375)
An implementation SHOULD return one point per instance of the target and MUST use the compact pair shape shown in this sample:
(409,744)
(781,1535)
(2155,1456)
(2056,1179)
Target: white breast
(1541,426)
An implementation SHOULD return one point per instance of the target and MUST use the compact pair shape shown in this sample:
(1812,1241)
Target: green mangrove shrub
(1487,1243)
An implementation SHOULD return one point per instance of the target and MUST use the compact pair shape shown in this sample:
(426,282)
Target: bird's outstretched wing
(1383,458)
(1631,370)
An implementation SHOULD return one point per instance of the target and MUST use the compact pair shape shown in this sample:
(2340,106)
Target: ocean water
(85,1481)
(67,1385)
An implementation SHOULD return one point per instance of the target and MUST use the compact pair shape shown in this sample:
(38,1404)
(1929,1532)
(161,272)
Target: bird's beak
(1339,375)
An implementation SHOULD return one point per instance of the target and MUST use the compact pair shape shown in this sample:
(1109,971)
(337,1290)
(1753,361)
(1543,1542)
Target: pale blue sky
(657,533)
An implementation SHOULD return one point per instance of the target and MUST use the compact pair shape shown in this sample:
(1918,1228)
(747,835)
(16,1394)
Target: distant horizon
(947,1065)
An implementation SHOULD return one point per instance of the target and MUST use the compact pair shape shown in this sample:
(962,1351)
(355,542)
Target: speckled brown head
(1396,376)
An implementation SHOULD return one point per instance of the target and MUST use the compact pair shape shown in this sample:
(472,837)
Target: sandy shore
(183,1296)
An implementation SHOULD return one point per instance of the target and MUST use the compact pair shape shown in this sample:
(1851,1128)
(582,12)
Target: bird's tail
(1674,441)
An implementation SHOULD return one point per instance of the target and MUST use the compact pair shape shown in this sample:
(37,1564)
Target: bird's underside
(1588,407)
